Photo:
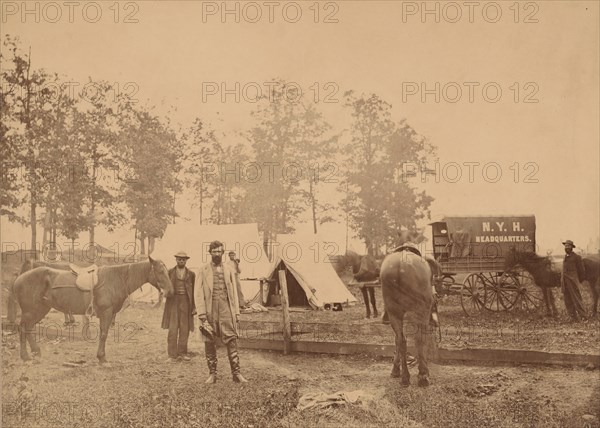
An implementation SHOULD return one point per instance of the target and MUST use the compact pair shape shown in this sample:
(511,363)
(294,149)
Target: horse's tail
(12,303)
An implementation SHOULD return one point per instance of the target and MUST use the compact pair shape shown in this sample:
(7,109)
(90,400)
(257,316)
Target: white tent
(146,294)
(194,239)
(310,276)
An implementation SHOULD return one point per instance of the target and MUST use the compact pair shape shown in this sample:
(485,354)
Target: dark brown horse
(547,276)
(32,264)
(406,284)
(364,269)
(115,284)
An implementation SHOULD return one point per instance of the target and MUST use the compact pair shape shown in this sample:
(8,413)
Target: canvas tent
(310,277)
(147,294)
(194,239)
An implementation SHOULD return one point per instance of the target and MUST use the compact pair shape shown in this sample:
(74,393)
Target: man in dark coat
(180,309)
(573,273)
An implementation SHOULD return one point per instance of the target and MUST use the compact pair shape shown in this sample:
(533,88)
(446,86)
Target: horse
(32,264)
(115,284)
(591,264)
(364,269)
(406,285)
(546,277)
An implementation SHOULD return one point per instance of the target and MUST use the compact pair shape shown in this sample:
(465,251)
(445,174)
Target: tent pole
(287,331)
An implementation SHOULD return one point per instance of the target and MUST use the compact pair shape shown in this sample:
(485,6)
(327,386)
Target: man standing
(216,296)
(235,267)
(178,316)
(572,274)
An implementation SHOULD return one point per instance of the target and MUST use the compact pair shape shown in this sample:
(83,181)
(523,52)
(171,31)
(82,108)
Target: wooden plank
(286,327)
(464,355)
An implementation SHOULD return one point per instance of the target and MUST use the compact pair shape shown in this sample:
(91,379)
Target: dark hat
(569,242)
(182,255)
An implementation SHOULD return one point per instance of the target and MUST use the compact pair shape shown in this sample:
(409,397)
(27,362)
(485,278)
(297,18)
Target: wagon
(474,248)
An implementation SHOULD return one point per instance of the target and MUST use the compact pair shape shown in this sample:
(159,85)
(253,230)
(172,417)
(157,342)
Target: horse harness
(90,309)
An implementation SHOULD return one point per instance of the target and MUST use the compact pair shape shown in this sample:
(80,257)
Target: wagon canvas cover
(490,236)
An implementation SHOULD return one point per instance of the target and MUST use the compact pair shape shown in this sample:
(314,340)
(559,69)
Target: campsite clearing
(139,388)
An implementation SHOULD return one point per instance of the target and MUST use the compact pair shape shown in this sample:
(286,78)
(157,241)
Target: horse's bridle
(153,273)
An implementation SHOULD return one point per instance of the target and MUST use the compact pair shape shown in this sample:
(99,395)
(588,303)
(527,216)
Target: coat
(573,268)
(203,294)
(190,280)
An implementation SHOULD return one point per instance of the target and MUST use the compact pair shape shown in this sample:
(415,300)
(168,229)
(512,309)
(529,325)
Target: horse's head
(159,277)
(511,259)
(351,259)
(525,259)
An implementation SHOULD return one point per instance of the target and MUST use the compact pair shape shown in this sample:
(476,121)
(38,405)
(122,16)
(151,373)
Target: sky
(526,121)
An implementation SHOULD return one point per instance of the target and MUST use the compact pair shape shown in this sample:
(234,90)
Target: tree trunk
(174,199)
(314,206)
(143,244)
(33,183)
(93,208)
(33,220)
(151,240)
(201,202)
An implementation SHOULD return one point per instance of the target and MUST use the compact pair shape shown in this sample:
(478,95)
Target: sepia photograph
(304,213)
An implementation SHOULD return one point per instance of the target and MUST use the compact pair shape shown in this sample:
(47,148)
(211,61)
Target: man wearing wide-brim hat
(180,309)
(572,274)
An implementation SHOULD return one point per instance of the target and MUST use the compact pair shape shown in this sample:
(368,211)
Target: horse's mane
(32,264)
(530,256)
(124,274)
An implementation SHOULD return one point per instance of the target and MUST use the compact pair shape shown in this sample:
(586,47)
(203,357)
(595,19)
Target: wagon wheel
(531,297)
(472,295)
(501,290)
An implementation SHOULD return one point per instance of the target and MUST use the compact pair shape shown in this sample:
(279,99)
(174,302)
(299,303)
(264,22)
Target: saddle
(408,247)
(86,278)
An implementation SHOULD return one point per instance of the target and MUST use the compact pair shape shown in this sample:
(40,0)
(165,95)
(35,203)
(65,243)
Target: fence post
(287,331)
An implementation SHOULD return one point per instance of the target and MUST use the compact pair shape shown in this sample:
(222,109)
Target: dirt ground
(139,388)
(514,329)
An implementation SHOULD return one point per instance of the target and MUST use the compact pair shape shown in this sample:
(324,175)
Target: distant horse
(364,269)
(406,284)
(591,263)
(115,283)
(547,277)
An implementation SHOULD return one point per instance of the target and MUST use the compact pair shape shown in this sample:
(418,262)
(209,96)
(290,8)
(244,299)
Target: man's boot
(234,362)
(385,319)
(211,359)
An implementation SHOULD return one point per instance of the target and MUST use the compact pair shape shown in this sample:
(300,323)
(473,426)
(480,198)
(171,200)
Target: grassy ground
(140,389)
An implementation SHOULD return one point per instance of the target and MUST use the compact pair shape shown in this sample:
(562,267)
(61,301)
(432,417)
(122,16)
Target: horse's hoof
(423,381)
(395,373)
(36,354)
(25,357)
(405,382)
